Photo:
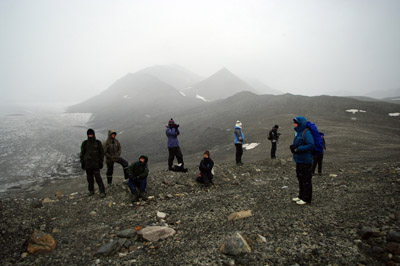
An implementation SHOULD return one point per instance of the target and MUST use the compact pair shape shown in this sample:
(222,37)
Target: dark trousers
(317,160)
(175,152)
(273,149)
(206,178)
(136,182)
(304,175)
(91,175)
(239,152)
(110,169)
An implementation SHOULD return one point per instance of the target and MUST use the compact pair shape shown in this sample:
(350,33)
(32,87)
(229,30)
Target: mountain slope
(219,86)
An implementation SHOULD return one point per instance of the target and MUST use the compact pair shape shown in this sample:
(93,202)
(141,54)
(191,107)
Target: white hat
(239,124)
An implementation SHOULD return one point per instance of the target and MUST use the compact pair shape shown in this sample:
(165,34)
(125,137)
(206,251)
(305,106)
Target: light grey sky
(67,51)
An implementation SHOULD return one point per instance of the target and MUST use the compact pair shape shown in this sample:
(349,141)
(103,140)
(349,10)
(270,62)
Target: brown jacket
(112,148)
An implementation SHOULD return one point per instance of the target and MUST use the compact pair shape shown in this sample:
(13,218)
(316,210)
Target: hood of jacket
(302,123)
(110,132)
(146,159)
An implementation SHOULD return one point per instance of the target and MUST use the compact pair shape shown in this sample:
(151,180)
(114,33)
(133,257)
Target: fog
(67,51)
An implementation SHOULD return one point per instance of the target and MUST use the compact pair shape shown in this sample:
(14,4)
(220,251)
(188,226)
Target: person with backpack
(273,136)
(303,145)
(318,156)
(91,158)
(205,168)
(172,132)
(112,152)
(238,141)
(138,173)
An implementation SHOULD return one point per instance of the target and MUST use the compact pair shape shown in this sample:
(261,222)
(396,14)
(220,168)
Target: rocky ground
(354,219)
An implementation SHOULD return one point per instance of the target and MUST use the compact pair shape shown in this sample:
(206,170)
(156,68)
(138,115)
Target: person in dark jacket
(138,173)
(303,145)
(112,152)
(319,156)
(91,157)
(238,141)
(205,168)
(273,137)
(172,132)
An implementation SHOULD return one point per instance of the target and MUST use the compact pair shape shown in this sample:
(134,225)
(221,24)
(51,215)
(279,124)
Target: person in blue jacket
(302,147)
(172,132)
(239,138)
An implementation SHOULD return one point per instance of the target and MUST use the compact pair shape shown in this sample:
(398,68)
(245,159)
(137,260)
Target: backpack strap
(304,132)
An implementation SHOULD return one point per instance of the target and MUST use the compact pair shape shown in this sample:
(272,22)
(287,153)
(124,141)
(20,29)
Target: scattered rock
(261,239)
(393,248)
(161,215)
(24,255)
(155,233)
(37,204)
(393,237)
(235,245)
(58,194)
(92,213)
(47,200)
(128,233)
(368,232)
(40,243)
(332,175)
(239,215)
(109,249)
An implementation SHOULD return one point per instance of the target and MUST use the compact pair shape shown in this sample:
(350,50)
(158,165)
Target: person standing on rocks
(205,168)
(112,151)
(138,173)
(318,157)
(273,136)
(172,132)
(303,145)
(239,139)
(91,157)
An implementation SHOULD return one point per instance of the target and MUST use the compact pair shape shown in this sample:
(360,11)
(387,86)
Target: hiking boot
(102,195)
(110,184)
(296,199)
(239,164)
(143,195)
(170,168)
(135,198)
(91,193)
(301,202)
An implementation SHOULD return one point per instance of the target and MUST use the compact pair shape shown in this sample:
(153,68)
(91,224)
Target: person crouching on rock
(239,138)
(91,157)
(205,168)
(112,151)
(138,173)
(303,145)
(172,133)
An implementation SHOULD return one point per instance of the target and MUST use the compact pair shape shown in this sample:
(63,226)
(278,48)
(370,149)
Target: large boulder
(235,245)
(40,243)
(155,233)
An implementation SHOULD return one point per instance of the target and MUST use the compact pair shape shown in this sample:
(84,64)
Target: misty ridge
(138,105)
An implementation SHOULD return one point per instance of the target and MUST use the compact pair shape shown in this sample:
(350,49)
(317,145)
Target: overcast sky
(67,51)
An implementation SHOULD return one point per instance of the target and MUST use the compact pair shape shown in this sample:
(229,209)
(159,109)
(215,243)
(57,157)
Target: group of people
(305,156)
(92,158)
(93,152)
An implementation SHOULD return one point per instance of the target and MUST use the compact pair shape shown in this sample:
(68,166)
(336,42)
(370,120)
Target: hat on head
(171,122)
(295,121)
(90,132)
(276,126)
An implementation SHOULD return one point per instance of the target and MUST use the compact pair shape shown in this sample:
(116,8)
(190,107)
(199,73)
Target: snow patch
(354,111)
(396,99)
(188,88)
(148,116)
(250,146)
(184,95)
(126,97)
(201,98)
(394,114)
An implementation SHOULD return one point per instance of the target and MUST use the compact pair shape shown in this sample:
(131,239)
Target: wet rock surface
(330,231)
